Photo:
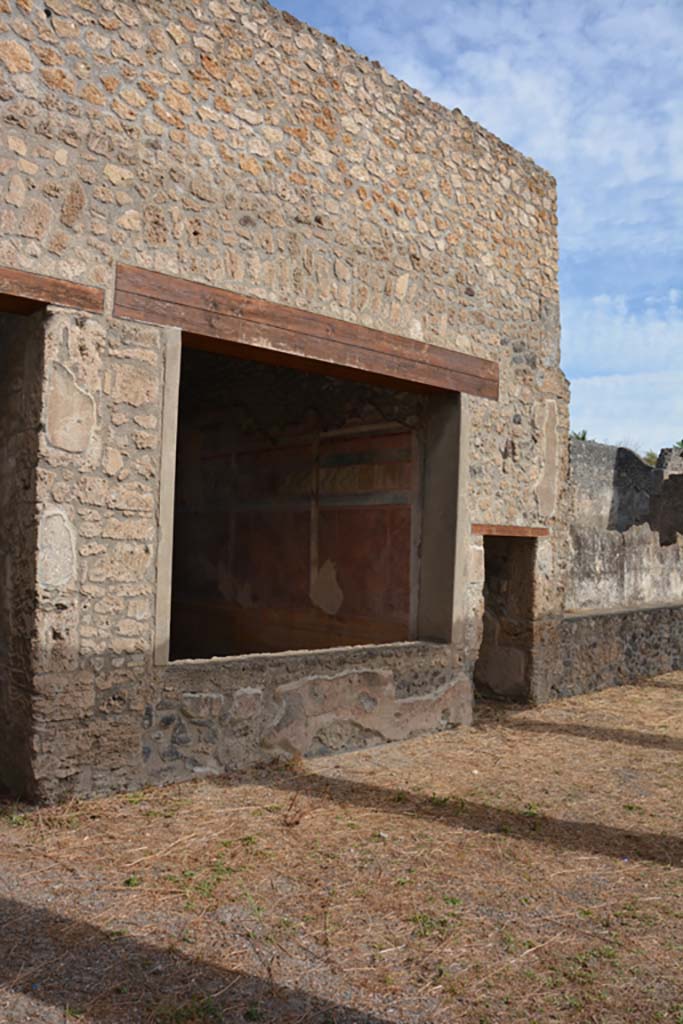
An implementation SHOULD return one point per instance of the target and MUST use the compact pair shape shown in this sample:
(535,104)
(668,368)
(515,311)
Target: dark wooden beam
(255,354)
(275,333)
(498,530)
(24,292)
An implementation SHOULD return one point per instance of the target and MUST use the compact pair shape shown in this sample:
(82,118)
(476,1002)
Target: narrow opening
(298,509)
(21,375)
(503,669)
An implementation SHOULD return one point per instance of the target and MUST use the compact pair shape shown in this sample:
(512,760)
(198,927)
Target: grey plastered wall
(21,374)
(211,715)
(626,535)
(172,344)
(623,616)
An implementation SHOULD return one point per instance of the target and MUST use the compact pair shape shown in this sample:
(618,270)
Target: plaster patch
(56,549)
(358,709)
(546,488)
(70,412)
(325,590)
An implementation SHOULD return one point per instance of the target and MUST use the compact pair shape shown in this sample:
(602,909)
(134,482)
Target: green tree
(650,458)
(579,435)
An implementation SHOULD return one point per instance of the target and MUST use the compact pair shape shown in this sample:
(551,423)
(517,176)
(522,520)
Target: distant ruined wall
(617,647)
(624,596)
(626,536)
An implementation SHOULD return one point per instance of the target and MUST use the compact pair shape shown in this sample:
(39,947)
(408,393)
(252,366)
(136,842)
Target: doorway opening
(503,668)
(299,509)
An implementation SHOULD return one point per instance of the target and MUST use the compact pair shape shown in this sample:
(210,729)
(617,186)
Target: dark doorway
(503,669)
(298,510)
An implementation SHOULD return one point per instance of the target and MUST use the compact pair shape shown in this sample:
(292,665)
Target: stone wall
(626,537)
(97,491)
(212,715)
(624,595)
(228,143)
(21,373)
(614,648)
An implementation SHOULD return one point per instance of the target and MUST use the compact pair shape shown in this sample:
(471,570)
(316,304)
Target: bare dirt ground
(527,870)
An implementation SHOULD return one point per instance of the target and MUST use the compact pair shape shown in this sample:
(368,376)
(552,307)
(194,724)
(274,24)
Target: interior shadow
(635,486)
(599,732)
(115,978)
(586,837)
(644,494)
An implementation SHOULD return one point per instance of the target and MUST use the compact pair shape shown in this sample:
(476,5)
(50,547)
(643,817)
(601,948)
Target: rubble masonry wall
(228,143)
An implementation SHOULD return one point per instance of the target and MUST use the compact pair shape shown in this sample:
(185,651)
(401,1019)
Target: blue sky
(593,91)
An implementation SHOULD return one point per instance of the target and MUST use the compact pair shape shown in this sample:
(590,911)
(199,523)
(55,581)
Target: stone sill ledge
(585,613)
(355,650)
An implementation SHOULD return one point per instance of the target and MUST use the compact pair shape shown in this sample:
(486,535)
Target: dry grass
(530,869)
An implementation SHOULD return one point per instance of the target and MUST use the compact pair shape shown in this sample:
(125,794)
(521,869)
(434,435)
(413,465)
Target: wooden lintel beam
(24,292)
(500,530)
(272,332)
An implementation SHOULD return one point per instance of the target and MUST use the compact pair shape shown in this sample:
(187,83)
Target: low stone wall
(213,715)
(599,649)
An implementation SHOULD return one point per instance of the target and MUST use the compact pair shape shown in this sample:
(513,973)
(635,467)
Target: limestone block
(135,385)
(131,498)
(123,562)
(247,703)
(201,707)
(15,56)
(16,190)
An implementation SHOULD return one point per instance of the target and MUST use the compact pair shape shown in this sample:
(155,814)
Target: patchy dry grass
(527,870)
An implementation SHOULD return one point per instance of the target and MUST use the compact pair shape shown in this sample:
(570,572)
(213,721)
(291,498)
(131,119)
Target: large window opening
(300,510)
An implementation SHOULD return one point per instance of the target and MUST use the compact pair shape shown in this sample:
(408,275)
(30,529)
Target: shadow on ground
(598,732)
(116,979)
(527,823)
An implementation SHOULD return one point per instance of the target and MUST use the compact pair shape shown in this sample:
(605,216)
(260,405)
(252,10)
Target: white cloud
(606,335)
(643,411)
